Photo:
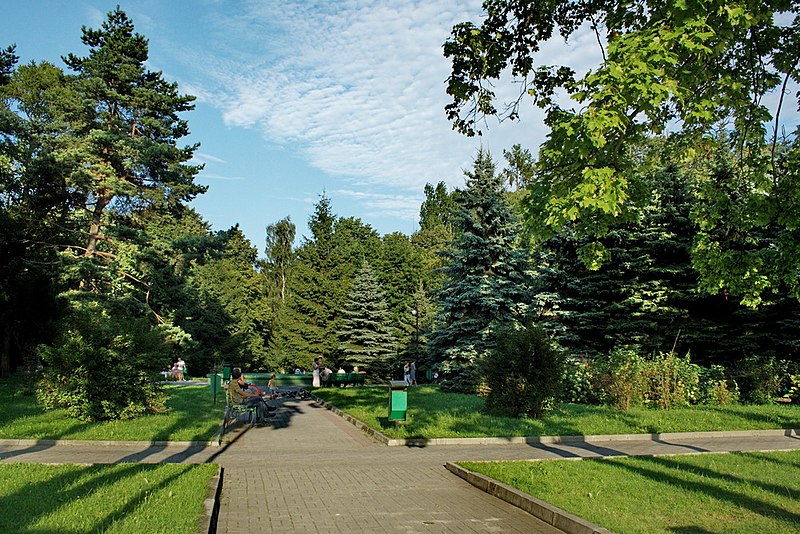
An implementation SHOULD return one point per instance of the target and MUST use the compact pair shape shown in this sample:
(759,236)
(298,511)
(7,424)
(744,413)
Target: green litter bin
(398,400)
(226,371)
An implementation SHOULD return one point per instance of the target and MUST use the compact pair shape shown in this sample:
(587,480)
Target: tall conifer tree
(365,337)
(486,283)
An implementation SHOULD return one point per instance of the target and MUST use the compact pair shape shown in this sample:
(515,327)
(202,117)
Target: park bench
(234,410)
(347,379)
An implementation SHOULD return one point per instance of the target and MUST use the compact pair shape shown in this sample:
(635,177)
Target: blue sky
(296,97)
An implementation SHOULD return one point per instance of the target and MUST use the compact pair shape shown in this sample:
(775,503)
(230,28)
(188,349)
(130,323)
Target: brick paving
(314,472)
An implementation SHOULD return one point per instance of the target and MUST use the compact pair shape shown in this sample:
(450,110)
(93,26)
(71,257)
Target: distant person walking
(180,368)
(412,374)
(407,373)
(315,372)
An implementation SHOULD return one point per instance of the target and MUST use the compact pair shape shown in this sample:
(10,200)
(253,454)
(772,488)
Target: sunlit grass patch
(191,416)
(103,498)
(737,492)
(434,414)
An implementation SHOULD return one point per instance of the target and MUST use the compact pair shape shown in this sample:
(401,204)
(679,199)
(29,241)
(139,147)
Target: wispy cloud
(359,86)
(404,207)
(202,157)
(204,175)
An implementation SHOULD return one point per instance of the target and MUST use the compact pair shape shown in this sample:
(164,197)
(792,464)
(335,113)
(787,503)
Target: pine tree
(365,339)
(486,284)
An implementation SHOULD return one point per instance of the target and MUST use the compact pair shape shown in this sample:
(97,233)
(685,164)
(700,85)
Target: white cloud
(359,86)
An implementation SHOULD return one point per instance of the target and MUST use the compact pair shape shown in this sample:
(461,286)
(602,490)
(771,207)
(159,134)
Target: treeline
(106,273)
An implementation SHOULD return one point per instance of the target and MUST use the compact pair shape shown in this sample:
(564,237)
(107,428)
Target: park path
(314,472)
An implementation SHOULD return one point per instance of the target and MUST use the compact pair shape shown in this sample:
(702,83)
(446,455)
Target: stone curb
(103,443)
(545,511)
(599,438)
(208,521)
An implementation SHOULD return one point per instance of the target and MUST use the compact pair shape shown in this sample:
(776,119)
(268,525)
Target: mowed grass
(433,414)
(191,416)
(738,492)
(119,498)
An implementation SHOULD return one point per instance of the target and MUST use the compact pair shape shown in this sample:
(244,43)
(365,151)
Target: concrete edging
(103,443)
(208,521)
(543,510)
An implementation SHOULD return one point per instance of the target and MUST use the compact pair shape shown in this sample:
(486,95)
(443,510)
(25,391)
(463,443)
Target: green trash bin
(226,371)
(398,400)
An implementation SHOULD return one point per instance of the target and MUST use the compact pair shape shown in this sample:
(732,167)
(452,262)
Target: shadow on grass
(41,498)
(758,506)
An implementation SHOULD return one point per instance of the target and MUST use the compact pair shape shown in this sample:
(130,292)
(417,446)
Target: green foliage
(665,381)
(523,373)
(715,388)
(618,377)
(759,378)
(103,362)
(576,382)
(670,381)
(365,338)
(588,169)
(486,284)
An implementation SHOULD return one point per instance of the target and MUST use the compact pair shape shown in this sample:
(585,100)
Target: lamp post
(415,313)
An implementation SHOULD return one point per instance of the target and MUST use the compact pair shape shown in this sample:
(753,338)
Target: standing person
(412,374)
(407,373)
(273,387)
(181,367)
(315,373)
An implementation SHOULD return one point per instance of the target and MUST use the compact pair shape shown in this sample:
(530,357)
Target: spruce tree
(485,285)
(365,337)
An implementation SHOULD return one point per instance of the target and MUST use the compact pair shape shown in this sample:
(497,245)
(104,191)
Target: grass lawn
(103,498)
(737,492)
(192,416)
(433,414)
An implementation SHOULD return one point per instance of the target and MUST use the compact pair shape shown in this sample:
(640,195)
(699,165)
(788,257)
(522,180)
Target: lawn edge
(535,440)
(103,443)
(543,510)
(210,517)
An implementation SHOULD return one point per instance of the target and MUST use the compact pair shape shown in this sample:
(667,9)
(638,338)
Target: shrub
(103,362)
(577,382)
(759,378)
(523,373)
(618,377)
(715,389)
(670,381)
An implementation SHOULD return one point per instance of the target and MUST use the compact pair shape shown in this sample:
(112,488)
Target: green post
(214,384)
(398,400)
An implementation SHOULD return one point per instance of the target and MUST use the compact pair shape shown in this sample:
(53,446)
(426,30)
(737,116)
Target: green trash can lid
(398,384)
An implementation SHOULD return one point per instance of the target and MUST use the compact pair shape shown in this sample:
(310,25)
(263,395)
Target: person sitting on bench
(241,396)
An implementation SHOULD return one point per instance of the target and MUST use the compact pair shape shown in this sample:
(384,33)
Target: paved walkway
(313,472)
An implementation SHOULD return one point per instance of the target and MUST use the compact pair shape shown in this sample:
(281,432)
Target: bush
(523,373)
(103,363)
(670,381)
(618,377)
(577,382)
(715,389)
(759,378)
